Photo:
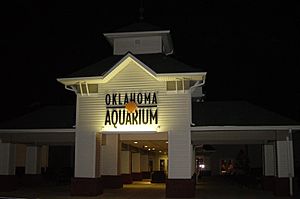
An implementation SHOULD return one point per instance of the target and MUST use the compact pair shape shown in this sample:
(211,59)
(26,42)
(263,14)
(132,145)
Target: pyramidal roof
(142,30)
(139,27)
(159,63)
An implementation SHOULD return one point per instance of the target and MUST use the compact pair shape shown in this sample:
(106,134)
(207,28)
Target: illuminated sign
(131,109)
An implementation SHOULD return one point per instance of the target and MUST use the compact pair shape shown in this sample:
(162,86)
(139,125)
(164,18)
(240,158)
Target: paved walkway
(208,188)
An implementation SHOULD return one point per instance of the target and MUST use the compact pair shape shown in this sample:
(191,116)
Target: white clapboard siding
(285,162)
(89,112)
(174,113)
(138,45)
(173,109)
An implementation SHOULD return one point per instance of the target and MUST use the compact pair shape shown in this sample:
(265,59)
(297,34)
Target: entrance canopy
(48,125)
(237,122)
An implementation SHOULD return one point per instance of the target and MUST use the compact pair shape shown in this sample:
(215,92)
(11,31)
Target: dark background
(250,49)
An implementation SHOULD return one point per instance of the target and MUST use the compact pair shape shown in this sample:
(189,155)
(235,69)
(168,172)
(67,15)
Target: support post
(8,180)
(87,178)
(33,164)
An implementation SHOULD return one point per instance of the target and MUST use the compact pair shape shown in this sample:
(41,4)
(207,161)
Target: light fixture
(135,142)
(202,166)
(160,151)
(153,149)
(149,149)
(167,142)
(145,146)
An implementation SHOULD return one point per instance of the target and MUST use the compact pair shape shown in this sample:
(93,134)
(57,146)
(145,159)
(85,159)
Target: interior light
(135,142)
(160,151)
(149,149)
(145,146)
(167,142)
(153,149)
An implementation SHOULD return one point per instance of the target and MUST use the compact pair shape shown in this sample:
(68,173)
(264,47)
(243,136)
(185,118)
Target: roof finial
(141,10)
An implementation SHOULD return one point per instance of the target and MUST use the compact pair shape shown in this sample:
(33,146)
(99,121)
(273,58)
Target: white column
(269,160)
(85,154)
(180,155)
(144,163)
(33,160)
(110,155)
(285,161)
(7,158)
(125,163)
(136,162)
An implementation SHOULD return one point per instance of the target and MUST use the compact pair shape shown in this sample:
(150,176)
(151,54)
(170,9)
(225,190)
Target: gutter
(192,88)
(244,128)
(198,84)
(63,130)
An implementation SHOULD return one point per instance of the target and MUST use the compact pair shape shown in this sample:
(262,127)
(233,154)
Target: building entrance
(144,161)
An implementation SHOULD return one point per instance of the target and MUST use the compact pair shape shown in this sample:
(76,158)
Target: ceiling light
(145,146)
(135,142)
(167,142)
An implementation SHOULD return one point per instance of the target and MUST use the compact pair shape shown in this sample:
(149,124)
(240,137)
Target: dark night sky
(251,50)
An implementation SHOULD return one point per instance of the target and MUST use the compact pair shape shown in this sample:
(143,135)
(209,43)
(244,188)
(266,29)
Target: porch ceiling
(235,137)
(52,138)
(158,145)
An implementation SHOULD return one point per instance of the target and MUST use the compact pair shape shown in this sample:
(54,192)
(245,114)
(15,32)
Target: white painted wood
(135,162)
(110,155)
(7,158)
(180,155)
(269,160)
(63,138)
(125,162)
(85,153)
(141,136)
(245,128)
(144,163)
(174,114)
(285,161)
(231,135)
(138,45)
(173,109)
(33,160)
